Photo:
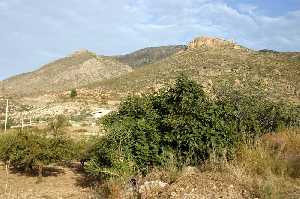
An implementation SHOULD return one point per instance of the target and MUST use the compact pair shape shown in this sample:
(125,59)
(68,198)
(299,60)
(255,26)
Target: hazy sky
(34,32)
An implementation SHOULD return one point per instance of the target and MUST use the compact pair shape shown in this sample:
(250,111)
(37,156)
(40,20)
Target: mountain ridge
(78,69)
(277,75)
(149,55)
(211,61)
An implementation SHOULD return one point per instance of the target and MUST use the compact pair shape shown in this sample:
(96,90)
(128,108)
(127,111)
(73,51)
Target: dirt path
(63,183)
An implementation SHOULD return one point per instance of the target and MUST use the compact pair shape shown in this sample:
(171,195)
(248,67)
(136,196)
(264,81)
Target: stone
(190,170)
(151,188)
(212,42)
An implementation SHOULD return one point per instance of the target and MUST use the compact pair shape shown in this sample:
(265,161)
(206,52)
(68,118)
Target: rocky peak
(212,42)
(81,52)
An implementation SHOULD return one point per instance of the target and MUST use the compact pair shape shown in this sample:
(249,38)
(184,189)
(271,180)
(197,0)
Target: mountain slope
(216,63)
(149,55)
(79,69)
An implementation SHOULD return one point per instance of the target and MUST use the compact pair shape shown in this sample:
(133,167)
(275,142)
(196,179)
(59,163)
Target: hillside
(78,69)
(150,55)
(216,63)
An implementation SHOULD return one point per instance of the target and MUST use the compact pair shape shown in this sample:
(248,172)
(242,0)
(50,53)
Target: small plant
(73,93)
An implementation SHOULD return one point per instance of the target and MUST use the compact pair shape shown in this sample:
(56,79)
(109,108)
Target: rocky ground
(193,184)
(205,185)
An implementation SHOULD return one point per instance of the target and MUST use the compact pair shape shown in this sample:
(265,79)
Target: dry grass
(270,168)
(274,154)
(113,189)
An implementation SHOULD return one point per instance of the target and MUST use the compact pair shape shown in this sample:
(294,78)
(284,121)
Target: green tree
(179,121)
(31,149)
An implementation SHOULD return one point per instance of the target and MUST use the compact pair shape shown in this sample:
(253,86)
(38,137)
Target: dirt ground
(63,183)
(191,183)
(59,183)
(205,185)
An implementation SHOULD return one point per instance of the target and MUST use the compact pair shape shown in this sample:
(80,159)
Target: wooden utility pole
(6,115)
(22,121)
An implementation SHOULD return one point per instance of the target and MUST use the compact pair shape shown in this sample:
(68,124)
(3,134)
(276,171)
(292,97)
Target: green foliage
(106,160)
(57,124)
(256,115)
(27,149)
(180,122)
(8,125)
(73,93)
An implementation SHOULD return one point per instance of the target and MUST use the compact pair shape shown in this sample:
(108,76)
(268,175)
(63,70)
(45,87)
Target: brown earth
(60,183)
(205,185)
(192,183)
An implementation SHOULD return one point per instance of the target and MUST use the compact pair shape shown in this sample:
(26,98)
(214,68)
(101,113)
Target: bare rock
(151,188)
(212,42)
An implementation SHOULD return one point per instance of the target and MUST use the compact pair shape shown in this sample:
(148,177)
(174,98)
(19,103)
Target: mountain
(217,63)
(149,55)
(80,68)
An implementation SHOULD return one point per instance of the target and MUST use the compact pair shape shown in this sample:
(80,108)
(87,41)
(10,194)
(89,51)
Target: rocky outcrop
(212,42)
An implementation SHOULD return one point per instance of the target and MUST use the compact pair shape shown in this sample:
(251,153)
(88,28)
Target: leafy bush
(73,93)
(25,150)
(180,122)
(256,115)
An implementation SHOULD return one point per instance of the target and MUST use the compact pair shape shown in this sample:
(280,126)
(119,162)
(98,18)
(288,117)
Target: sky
(35,32)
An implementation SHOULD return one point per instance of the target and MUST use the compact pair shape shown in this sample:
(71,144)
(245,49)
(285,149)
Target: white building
(100,113)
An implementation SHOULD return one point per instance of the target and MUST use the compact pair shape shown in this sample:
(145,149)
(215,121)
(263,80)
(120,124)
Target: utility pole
(22,121)
(6,115)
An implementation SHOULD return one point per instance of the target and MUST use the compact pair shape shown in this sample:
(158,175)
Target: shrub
(57,124)
(105,160)
(256,115)
(73,93)
(180,122)
(25,150)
